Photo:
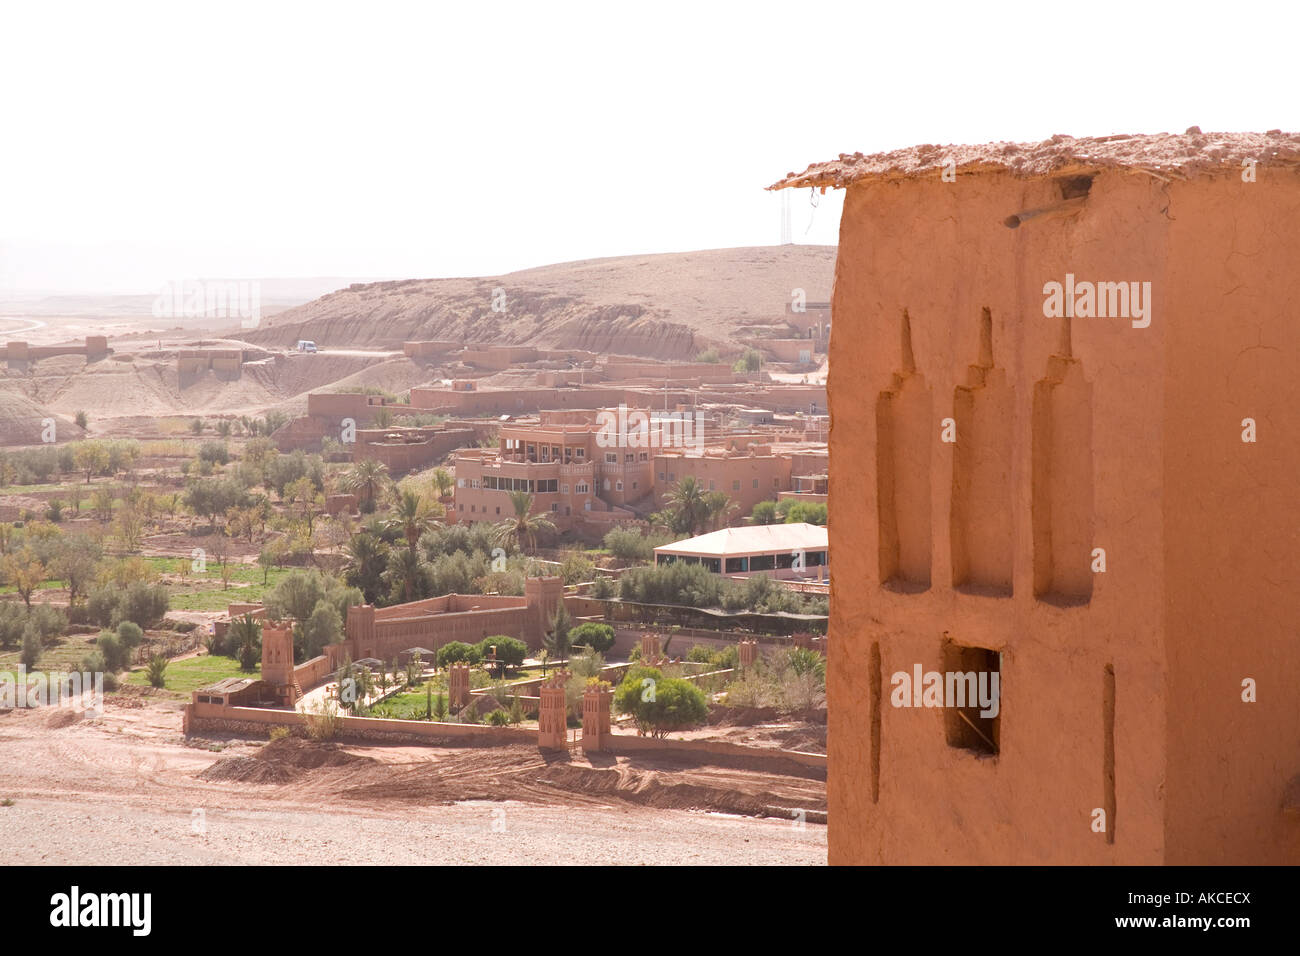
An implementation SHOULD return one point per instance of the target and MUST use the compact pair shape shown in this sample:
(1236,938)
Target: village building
(784,551)
(1064,390)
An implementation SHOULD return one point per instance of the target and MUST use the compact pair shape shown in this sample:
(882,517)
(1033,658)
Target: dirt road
(126,788)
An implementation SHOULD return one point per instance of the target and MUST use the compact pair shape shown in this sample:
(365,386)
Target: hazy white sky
(143,142)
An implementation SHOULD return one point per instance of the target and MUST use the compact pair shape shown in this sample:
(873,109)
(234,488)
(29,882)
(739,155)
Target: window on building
(555,506)
(672,476)
(735,485)
(713,485)
(644,456)
(634,486)
(663,476)
(580,453)
(498,510)
(629,457)
(618,486)
(611,458)
(966,669)
(564,489)
(755,482)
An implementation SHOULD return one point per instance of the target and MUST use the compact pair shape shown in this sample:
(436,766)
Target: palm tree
(687,506)
(521,531)
(406,569)
(717,507)
(412,515)
(444,481)
(367,559)
(366,478)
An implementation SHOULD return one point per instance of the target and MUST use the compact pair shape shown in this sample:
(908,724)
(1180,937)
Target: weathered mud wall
(940,252)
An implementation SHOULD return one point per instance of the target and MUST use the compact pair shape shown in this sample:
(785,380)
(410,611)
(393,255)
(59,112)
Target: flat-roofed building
(778,550)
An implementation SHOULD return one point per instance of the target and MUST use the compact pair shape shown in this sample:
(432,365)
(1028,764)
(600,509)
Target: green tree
(366,479)
(522,530)
(557,640)
(412,516)
(599,637)
(764,513)
(367,558)
(31,652)
(660,705)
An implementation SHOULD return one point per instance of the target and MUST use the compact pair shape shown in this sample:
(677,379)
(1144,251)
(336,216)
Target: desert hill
(668,306)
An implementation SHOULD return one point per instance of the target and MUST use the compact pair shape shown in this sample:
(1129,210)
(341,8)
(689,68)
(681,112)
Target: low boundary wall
(216,717)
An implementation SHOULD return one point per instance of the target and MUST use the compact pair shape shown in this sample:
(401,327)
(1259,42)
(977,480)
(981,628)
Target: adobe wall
(217,717)
(1231,514)
(912,509)
(316,671)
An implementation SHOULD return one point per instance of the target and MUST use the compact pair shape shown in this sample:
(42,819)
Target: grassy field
(188,675)
(64,656)
(204,592)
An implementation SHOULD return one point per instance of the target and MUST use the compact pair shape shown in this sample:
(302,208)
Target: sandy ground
(126,788)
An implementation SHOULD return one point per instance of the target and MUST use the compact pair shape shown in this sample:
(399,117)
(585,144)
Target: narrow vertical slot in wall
(1062,493)
(876,717)
(905,433)
(1108,748)
(980,516)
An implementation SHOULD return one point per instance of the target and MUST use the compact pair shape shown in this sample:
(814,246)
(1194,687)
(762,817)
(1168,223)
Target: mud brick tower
(1064,396)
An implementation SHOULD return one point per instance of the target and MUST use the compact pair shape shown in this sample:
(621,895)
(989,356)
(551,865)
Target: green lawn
(188,675)
(203,592)
(411,705)
(64,656)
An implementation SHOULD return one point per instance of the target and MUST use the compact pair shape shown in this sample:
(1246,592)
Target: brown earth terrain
(127,787)
(668,306)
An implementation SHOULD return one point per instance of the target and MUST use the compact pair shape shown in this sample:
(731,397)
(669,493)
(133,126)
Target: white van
(306,345)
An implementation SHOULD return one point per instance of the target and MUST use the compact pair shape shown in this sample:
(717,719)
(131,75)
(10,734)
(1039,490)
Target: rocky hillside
(669,306)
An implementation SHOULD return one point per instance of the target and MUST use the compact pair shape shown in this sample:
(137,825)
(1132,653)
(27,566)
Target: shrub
(81,419)
(215,452)
(114,654)
(498,718)
(157,671)
(54,511)
(322,719)
(603,587)
(279,733)
(599,637)
(31,652)
(130,634)
(457,652)
(629,544)
(94,663)
(325,626)
(511,651)
(803,661)
(575,569)
(662,706)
